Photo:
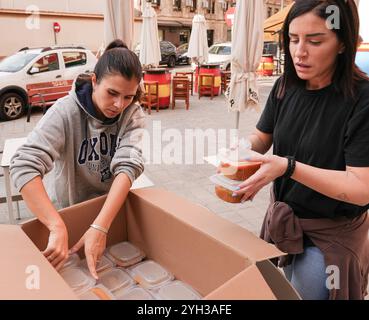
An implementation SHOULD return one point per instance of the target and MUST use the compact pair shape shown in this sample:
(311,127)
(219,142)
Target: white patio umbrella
(149,44)
(247,50)
(118,21)
(198,45)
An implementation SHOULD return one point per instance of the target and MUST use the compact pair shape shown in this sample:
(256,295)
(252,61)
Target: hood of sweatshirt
(82,95)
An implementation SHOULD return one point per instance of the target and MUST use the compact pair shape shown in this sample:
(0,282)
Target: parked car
(30,66)
(168,53)
(182,57)
(221,54)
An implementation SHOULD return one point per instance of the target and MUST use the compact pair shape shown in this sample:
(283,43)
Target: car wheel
(172,62)
(12,106)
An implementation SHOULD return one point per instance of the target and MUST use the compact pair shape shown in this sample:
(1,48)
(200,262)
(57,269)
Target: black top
(323,130)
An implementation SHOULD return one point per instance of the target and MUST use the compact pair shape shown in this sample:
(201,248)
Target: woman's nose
(300,50)
(118,103)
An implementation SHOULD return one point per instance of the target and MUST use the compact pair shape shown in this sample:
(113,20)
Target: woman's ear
(93,80)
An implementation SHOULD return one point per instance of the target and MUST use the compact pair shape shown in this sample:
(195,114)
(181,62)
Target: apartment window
(270,11)
(193,5)
(177,5)
(209,5)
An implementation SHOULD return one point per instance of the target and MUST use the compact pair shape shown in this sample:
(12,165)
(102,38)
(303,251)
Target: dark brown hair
(347,74)
(118,59)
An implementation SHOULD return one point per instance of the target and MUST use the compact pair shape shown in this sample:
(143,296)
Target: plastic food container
(102,265)
(133,293)
(125,254)
(233,164)
(150,274)
(177,290)
(77,279)
(98,292)
(224,188)
(72,261)
(115,279)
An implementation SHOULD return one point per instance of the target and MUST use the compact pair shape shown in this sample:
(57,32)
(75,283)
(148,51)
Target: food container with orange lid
(234,164)
(98,292)
(176,290)
(133,293)
(224,188)
(102,265)
(115,278)
(124,254)
(72,261)
(150,274)
(77,279)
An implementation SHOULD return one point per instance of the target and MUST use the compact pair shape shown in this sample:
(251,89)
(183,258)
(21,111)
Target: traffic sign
(229,16)
(56,27)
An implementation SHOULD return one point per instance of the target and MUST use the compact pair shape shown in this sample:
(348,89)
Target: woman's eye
(112,93)
(294,40)
(315,43)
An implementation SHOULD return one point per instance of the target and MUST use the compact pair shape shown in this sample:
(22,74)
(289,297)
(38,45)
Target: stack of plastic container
(98,292)
(124,276)
(77,279)
(234,169)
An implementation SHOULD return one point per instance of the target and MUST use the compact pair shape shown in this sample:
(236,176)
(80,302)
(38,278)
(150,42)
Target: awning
(274,24)
(177,24)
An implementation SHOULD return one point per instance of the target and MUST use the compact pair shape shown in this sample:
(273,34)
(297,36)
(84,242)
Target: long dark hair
(347,74)
(118,59)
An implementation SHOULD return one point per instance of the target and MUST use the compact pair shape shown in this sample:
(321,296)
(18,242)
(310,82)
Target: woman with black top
(317,118)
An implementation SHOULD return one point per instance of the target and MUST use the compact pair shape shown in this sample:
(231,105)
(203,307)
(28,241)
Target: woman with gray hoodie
(89,141)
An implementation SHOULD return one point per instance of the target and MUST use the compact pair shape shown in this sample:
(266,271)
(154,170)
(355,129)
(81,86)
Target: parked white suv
(220,54)
(30,66)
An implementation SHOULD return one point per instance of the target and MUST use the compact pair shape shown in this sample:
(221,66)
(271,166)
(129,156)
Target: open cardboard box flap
(219,259)
(25,272)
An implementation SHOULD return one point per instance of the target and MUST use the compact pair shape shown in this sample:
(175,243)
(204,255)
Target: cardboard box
(219,259)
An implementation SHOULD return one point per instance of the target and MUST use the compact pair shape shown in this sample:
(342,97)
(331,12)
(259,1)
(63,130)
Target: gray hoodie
(82,153)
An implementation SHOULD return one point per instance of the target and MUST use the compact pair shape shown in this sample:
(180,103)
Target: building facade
(175,18)
(273,6)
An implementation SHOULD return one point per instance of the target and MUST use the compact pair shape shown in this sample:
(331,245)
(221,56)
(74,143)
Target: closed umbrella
(198,45)
(247,49)
(149,44)
(118,21)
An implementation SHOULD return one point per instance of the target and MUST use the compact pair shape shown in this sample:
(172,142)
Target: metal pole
(282,4)
(55,37)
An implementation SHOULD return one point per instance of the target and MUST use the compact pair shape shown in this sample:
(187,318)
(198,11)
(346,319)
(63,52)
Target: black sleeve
(357,133)
(267,120)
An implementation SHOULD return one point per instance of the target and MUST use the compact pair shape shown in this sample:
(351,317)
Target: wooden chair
(181,90)
(189,75)
(206,85)
(44,94)
(151,96)
(225,80)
